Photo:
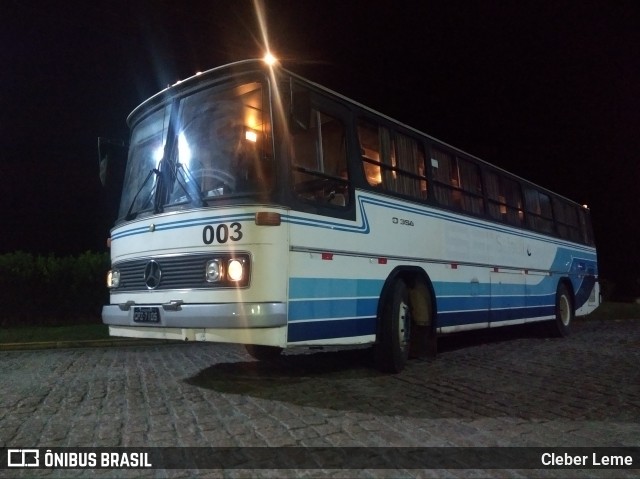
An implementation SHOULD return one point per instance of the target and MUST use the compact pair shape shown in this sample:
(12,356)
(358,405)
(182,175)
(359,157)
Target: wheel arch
(410,275)
(566,281)
(424,307)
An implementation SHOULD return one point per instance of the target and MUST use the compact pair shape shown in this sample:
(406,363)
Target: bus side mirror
(300,110)
(112,160)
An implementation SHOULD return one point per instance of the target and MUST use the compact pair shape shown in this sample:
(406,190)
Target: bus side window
(445,177)
(471,187)
(505,199)
(566,220)
(539,215)
(370,151)
(392,161)
(586,230)
(320,161)
(411,173)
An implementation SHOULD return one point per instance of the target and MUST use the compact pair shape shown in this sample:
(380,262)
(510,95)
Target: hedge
(50,290)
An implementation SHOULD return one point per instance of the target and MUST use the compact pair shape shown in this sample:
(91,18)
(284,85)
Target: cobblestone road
(503,388)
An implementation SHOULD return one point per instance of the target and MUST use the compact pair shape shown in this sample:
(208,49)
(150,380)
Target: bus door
(324,301)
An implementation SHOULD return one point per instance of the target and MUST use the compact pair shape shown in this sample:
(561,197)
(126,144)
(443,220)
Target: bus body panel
(483,274)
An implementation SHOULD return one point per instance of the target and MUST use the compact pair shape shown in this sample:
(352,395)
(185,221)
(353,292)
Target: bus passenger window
(539,215)
(411,177)
(320,161)
(370,150)
(505,199)
(566,216)
(446,178)
(392,161)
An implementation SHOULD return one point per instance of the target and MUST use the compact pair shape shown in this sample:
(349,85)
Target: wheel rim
(403,323)
(564,310)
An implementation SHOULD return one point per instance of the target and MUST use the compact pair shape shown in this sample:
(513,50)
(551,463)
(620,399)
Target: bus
(261,208)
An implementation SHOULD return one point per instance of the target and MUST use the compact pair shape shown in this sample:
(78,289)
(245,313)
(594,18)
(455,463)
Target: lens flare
(269,59)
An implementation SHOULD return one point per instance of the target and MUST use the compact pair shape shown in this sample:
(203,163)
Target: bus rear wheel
(391,350)
(263,353)
(565,313)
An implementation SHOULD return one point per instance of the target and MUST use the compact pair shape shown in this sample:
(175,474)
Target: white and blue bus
(261,208)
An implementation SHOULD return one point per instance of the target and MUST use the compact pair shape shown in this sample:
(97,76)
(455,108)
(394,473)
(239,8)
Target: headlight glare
(113,278)
(235,269)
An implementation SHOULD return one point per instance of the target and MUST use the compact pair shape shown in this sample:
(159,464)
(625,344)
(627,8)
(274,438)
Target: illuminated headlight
(229,270)
(214,271)
(236,269)
(113,278)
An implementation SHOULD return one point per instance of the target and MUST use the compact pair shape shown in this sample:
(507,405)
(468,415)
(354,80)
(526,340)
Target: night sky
(549,90)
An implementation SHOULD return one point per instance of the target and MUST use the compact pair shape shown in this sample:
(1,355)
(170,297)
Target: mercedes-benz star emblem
(152,274)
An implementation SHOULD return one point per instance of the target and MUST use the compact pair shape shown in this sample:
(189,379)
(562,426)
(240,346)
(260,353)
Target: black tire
(391,350)
(263,353)
(565,312)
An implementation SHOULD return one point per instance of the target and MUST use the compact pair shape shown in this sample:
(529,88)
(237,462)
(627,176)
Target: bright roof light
(251,136)
(269,59)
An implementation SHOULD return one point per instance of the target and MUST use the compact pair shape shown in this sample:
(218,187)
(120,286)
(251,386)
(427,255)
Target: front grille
(186,271)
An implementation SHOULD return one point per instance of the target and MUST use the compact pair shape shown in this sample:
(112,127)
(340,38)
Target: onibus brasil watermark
(36,458)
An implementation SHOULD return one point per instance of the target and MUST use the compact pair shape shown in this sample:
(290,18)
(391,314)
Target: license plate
(146,315)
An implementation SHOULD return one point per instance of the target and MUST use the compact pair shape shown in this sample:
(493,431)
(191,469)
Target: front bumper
(178,315)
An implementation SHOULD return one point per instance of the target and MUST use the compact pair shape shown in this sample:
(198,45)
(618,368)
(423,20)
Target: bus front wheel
(565,313)
(391,350)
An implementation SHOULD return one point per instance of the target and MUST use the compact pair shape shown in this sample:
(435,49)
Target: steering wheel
(224,178)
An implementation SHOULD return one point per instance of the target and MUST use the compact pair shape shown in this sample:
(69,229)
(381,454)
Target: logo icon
(23,458)
(152,274)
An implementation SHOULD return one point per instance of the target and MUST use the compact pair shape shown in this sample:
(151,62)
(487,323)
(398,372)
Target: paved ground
(504,388)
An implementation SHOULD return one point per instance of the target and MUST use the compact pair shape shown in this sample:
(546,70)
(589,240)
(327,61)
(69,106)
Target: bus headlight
(228,270)
(235,269)
(214,271)
(113,279)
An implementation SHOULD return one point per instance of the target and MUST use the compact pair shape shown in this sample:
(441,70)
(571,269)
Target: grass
(31,334)
(612,311)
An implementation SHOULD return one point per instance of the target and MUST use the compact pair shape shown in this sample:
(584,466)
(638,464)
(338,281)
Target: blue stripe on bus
(352,327)
(306,288)
(325,308)
(459,318)
(332,308)
(347,328)
(457,303)
(202,221)
(364,227)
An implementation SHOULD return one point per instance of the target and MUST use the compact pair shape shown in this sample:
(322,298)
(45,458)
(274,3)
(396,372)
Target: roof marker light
(268,218)
(269,59)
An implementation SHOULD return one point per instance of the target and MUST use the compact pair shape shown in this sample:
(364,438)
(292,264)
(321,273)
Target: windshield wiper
(130,215)
(188,186)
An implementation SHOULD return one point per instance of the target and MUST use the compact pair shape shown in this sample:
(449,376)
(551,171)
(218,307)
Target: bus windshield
(197,148)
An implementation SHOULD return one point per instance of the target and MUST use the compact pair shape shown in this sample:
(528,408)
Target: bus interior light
(251,135)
